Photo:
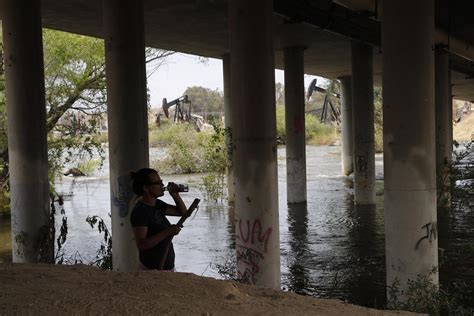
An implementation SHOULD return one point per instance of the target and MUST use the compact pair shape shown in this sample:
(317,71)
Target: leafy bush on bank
(316,132)
(421,295)
(186,148)
(189,151)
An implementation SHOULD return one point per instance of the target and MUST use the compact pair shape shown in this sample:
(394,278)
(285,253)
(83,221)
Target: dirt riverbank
(53,289)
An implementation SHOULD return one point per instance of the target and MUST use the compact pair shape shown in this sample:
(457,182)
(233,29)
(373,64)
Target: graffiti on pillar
(251,247)
(123,195)
(250,259)
(298,124)
(431,233)
(362,163)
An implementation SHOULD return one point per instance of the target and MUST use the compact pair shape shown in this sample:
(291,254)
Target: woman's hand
(173,188)
(174,230)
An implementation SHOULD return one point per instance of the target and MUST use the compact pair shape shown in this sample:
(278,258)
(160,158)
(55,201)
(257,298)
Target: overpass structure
(420,52)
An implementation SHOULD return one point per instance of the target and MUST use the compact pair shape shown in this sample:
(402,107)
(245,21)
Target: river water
(329,248)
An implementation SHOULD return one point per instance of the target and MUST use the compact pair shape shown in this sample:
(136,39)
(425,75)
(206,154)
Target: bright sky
(182,71)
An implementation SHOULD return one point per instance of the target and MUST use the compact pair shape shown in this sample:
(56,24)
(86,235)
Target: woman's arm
(180,208)
(144,243)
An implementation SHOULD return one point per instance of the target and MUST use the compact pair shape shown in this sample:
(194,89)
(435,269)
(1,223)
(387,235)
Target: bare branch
(162,55)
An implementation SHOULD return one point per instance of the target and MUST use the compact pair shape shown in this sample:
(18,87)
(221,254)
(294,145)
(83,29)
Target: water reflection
(298,280)
(366,261)
(333,248)
(456,254)
(231,227)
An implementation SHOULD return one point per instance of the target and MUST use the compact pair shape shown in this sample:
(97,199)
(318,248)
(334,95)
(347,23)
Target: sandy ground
(52,289)
(463,130)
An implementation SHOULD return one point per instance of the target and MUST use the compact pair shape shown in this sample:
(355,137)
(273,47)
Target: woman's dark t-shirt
(154,218)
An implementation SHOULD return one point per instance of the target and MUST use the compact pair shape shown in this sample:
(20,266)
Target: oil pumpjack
(182,111)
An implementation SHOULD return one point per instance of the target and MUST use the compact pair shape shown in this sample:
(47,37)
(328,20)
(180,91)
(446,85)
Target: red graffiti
(251,235)
(241,235)
(255,234)
(298,124)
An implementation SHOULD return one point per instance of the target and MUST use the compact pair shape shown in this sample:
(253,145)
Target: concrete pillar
(27,144)
(295,125)
(409,140)
(228,127)
(254,134)
(443,130)
(450,113)
(363,124)
(127,117)
(346,125)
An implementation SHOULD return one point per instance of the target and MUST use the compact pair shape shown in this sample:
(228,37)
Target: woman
(151,228)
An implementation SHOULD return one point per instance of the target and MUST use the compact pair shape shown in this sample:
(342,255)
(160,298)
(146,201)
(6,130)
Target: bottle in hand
(181,187)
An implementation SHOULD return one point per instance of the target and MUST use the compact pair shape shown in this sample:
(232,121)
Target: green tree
(205,101)
(75,89)
(75,94)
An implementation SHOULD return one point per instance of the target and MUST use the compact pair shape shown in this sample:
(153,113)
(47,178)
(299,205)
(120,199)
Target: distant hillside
(463,130)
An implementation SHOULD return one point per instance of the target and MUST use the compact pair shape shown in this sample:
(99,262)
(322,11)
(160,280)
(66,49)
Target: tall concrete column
(346,125)
(127,117)
(409,140)
(27,144)
(450,113)
(363,123)
(295,125)
(254,134)
(443,130)
(228,126)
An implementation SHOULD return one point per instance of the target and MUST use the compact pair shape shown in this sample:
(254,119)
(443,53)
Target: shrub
(316,133)
(216,163)
(378,120)
(4,200)
(161,136)
(89,166)
(189,151)
(185,148)
(280,124)
(423,296)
